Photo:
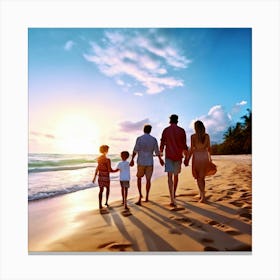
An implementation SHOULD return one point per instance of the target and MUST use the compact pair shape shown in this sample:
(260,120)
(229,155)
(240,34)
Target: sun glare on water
(77,134)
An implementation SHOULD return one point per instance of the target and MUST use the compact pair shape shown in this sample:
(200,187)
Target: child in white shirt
(124,169)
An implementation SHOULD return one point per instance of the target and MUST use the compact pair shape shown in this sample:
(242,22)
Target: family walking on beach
(174,143)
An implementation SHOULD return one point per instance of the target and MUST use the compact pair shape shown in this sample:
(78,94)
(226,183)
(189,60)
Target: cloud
(120,82)
(138,93)
(128,126)
(242,103)
(146,57)
(236,108)
(216,123)
(119,139)
(68,45)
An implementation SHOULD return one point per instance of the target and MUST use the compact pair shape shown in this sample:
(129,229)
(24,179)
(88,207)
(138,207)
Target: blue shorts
(172,166)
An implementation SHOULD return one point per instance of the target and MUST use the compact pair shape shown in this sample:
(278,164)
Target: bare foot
(138,202)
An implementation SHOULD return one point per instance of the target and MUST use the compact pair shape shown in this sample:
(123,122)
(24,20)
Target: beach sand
(72,222)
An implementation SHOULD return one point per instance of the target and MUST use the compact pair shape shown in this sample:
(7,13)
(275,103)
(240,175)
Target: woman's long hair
(200,131)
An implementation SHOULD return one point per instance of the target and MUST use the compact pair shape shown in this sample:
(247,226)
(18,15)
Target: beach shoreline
(73,223)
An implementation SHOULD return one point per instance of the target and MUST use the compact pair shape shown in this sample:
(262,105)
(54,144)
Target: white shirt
(124,168)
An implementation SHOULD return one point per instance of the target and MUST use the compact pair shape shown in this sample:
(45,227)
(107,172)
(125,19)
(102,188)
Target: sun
(76,134)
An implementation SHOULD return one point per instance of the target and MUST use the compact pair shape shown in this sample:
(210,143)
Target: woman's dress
(103,171)
(200,163)
(200,159)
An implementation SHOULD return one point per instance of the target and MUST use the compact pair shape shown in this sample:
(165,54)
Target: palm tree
(238,138)
(247,145)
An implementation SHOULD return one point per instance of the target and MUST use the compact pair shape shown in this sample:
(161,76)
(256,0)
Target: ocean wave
(52,193)
(55,162)
(63,162)
(59,168)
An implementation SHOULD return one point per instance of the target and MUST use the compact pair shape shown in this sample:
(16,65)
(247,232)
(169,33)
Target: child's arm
(95,174)
(110,167)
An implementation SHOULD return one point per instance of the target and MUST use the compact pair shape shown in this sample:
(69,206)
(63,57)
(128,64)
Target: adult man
(175,143)
(145,147)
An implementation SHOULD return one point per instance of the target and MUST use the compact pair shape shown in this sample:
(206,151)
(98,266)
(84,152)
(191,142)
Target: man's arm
(162,142)
(157,152)
(161,161)
(132,159)
(189,153)
(135,149)
(185,149)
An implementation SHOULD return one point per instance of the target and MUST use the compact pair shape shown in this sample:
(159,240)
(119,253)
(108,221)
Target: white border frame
(17,16)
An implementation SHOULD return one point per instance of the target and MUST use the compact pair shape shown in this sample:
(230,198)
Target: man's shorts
(124,184)
(172,166)
(145,170)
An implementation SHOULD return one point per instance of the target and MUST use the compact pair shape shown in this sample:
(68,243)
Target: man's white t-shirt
(124,168)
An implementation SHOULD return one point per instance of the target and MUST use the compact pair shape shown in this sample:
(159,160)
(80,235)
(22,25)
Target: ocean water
(50,175)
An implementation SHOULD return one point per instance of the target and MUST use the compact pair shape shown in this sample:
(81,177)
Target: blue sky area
(96,86)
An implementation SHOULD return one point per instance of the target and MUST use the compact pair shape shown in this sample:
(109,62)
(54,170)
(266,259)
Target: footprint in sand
(246,215)
(245,195)
(183,220)
(237,203)
(232,232)
(207,240)
(212,223)
(216,224)
(189,222)
(174,231)
(247,207)
(226,229)
(115,246)
(176,209)
(230,193)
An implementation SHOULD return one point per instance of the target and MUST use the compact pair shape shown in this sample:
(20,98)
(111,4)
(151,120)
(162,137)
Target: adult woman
(200,152)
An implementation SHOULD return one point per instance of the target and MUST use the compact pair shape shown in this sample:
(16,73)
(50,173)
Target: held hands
(131,163)
(161,161)
(186,161)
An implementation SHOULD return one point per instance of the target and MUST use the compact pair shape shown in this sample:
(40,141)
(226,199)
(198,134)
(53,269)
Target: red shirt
(175,141)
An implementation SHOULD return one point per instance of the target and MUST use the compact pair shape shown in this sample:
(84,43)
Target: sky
(93,86)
